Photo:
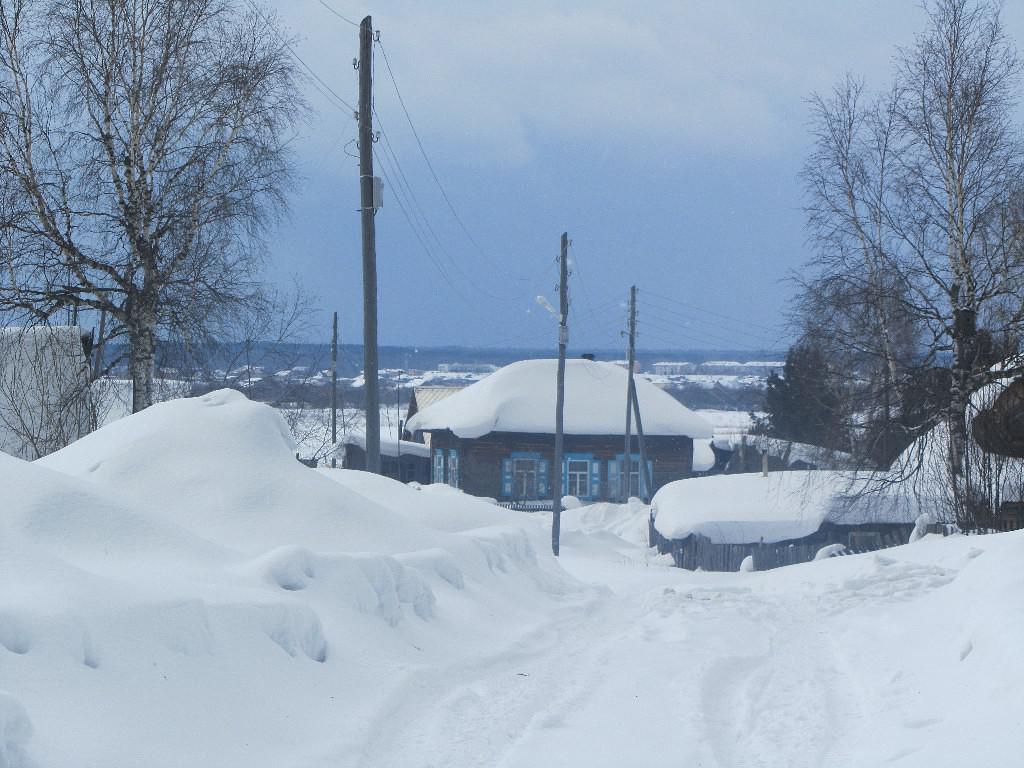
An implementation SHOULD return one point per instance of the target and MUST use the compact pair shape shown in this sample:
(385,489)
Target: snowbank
(177,579)
(521,398)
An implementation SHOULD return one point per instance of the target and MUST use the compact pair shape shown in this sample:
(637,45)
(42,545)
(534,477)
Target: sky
(666,138)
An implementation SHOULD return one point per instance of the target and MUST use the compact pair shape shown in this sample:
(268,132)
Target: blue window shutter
(506,477)
(650,474)
(453,468)
(565,477)
(438,465)
(595,479)
(543,486)
(614,477)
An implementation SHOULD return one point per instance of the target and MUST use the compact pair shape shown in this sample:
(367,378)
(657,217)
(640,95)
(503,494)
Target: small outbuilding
(714,523)
(495,438)
(401,460)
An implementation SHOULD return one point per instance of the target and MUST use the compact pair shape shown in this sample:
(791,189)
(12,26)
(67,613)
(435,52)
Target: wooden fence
(529,505)
(697,551)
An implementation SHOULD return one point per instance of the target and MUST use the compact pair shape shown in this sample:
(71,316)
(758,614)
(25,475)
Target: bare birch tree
(144,146)
(938,218)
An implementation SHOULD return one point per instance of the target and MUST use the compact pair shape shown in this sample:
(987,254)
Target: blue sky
(666,138)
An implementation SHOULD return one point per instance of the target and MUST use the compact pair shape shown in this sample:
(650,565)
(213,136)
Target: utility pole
(644,474)
(627,455)
(563,340)
(371,384)
(645,471)
(334,394)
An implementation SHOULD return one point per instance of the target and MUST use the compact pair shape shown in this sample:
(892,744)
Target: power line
(392,157)
(426,158)
(681,303)
(343,18)
(302,61)
(671,325)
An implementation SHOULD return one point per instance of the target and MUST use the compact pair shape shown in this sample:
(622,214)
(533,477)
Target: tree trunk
(142,360)
(965,333)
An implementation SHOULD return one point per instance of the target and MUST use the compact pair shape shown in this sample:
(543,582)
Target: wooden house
(495,438)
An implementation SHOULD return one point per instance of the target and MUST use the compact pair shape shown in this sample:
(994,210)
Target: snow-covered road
(808,666)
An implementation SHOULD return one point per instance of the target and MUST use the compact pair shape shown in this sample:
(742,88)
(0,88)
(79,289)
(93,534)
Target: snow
(390,445)
(747,508)
(703,456)
(179,568)
(521,398)
(178,590)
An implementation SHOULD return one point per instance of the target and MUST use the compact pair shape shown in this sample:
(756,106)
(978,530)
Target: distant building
(495,438)
(673,369)
(45,401)
(484,368)
(762,368)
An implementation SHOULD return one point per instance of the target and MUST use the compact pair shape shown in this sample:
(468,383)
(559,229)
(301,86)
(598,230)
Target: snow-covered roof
(389,446)
(748,508)
(521,398)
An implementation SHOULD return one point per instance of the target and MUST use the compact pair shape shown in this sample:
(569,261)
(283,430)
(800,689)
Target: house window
(524,475)
(636,482)
(524,478)
(578,473)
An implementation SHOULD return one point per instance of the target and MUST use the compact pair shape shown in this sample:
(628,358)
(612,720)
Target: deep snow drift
(179,591)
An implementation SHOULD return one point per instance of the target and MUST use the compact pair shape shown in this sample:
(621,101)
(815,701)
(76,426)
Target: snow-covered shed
(495,438)
(402,460)
(784,517)
(44,390)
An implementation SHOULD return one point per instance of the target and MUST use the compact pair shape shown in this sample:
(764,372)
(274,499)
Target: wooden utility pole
(563,340)
(627,455)
(645,471)
(371,385)
(334,393)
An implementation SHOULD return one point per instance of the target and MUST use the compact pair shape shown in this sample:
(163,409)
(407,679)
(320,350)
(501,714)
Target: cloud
(492,82)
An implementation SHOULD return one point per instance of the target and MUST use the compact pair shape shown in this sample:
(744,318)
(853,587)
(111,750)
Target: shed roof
(521,398)
(748,508)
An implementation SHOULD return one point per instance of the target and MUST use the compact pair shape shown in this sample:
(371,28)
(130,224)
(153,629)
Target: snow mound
(182,554)
(624,521)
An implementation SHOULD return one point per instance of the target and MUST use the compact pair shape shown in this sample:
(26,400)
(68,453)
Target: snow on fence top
(521,398)
(749,508)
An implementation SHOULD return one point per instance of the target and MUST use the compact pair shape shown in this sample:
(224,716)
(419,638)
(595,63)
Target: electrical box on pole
(378,192)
